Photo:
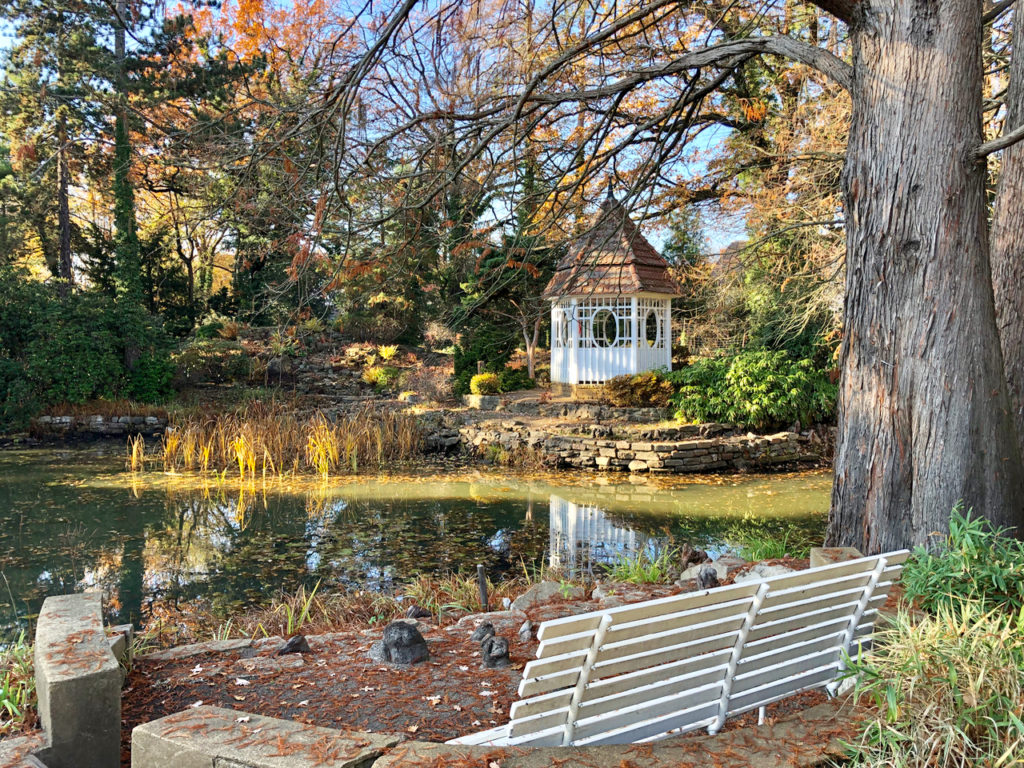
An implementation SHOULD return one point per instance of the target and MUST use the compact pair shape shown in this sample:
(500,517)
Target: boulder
(526,631)
(721,571)
(403,644)
(762,571)
(546,592)
(707,577)
(502,621)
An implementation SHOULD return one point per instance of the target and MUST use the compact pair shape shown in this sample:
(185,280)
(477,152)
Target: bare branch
(1004,141)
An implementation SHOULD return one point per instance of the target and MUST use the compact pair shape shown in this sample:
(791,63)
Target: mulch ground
(336,686)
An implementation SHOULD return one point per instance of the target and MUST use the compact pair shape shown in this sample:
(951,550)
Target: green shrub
(641,390)
(947,689)
(381,376)
(211,361)
(17,686)
(758,389)
(485,384)
(514,379)
(485,341)
(974,562)
(210,330)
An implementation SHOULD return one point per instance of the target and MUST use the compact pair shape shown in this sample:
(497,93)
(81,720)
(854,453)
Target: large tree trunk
(924,417)
(1008,238)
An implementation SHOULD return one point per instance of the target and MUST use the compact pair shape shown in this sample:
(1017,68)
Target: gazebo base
(582,392)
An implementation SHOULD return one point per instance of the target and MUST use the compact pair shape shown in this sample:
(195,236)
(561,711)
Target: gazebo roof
(613,258)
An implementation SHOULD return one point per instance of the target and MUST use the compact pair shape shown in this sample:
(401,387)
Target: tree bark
(1008,239)
(924,416)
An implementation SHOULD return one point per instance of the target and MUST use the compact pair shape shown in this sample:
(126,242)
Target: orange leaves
(755,110)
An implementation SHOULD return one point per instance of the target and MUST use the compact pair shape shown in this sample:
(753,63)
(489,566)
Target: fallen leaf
(412,728)
(197,704)
(244,719)
(240,681)
(303,703)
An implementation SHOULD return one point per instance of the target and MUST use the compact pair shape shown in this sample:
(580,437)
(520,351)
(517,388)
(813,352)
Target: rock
(403,644)
(503,621)
(526,631)
(295,644)
(691,573)
(762,571)
(377,654)
(417,612)
(545,592)
(707,577)
(278,367)
(828,555)
(484,630)
(494,653)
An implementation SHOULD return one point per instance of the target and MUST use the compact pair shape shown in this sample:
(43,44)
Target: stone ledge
(214,646)
(78,683)
(211,737)
(18,751)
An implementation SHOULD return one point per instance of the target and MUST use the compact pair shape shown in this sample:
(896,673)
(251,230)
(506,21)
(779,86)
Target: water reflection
(74,520)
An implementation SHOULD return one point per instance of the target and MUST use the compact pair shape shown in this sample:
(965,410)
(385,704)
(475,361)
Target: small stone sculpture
(707,577)
(403,644)
(295,644)
(482,632)
(526,631)
(494,652)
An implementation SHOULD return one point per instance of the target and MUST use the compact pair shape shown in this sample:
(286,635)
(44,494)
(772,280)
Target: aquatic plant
(271,440)
(643,567)
(136,453)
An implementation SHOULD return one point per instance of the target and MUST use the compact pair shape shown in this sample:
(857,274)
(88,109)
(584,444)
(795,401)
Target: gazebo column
(634,304)
(668,333)
(574,344)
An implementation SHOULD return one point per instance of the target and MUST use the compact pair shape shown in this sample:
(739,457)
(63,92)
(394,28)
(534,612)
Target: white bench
(649,670)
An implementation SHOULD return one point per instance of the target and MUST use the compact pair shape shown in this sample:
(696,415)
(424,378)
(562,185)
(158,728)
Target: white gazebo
(611,304)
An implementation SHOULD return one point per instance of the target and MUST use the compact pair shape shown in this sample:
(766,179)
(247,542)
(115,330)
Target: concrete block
(481,402)
(210,737)
(828,555)
(78,682)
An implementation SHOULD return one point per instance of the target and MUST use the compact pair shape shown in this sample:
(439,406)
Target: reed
(136,453)
(262,441)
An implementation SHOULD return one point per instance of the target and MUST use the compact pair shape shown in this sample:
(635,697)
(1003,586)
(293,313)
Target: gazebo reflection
(582,536)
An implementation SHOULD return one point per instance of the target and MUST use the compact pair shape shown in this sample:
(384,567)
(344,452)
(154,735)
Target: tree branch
(812,56)
(1004,141)
(841,9)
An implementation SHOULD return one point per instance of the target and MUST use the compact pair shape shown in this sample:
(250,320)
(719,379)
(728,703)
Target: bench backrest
(658,668)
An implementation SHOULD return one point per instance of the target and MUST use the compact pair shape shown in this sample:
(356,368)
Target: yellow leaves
(755,110)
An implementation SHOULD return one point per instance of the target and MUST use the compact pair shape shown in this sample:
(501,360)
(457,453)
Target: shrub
(17,687)
(513,379)
(947,688)
(380,376)
(975,562)
(433,382)
(756,389)
(211,361)
(486,341)
(387,351)
(485,384)
(641,390)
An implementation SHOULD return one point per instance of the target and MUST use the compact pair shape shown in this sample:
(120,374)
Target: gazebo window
(652,328)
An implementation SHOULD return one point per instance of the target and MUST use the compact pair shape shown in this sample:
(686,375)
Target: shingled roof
(613,258)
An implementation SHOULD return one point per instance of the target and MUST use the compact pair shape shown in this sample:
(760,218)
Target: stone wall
(100,425)
(688,455)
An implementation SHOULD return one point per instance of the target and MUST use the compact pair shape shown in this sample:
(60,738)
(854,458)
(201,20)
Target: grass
(17,687)
(643,568)
(270,440)
(948,690)
(757,540)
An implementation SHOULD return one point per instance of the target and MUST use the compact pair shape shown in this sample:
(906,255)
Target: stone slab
(215,646)
(794,742)
(18,751)
(828,555)
(78,684)
(211,737)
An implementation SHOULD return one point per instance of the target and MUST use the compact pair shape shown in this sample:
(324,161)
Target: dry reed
(271,440)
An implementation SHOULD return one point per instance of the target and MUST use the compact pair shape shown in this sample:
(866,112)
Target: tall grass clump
(17,687)
(643,567)
(261,440)
(948,690)
(974,562)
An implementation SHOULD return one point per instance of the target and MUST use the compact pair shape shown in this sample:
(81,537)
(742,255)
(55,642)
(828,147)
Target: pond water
(72,519)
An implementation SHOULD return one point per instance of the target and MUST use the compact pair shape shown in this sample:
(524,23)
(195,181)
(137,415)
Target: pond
(72,519)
